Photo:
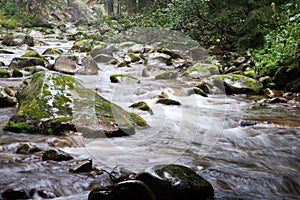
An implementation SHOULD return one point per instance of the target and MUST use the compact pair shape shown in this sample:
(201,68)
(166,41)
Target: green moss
(33,54)
(4,51)
(20,127)
(52,51)
(167,75)
(250,73)
(138,120)
(198,67)
(4,73)
(142,106)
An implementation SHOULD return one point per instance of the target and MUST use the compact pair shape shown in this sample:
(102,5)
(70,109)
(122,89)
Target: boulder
(199,71)
(27,148)
(54,103)
(52,51)
(6,99)
(18,39)
(22,62)
(56,155)
(167,75)
(4,73)
(82,45)
(283,76)
(175,182)
(103,48)
(159,60)
(141,105)
(235,84)
(74,64)
(103,58)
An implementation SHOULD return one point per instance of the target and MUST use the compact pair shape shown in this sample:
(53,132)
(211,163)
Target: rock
(272,93)
(159,60)
(11,194)
(293,86)
(61,142)
(4,51)
(234,84)
(56,155)
(22,62)
(142,106)
(46,193)
(18,39)
(198,91)
(132,57)
(27,148)
(175,182)
(283,76)
(203,87)
(167,75)
(199,71)
(4,73)
(240,60)
(52,51)
(17,73)
(2,64)
(73,64)
(278,100)
(102,58)
(6,99)
(265,80)
(99,194)
(82,45)
(131,190)
(83,166)
(172,53)
(116,78)
(167,101)
(54,103)
(103,48)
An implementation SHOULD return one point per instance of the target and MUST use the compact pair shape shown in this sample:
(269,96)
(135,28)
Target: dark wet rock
(56,155)
(103,58)
(2,64)
(6,98)
(167,101)
(283,76)
(52,51)
(203,87)
(17,73)
(82,166)
(175,182)
(4,51)
(167,75)
(244,123)
(54,103)
(200,70)
(27,148)
(159,60)
(14,194)
(4,73)
(99,194)
(120,174)
(18,39)
(82,45)
(142,106)
(46,193)
(293,86)
(131,190)
(198,91)
(22,62)
(116,78)
(73,64)
(235,84)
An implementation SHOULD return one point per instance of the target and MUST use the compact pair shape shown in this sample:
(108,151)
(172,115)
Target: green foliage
(281,47)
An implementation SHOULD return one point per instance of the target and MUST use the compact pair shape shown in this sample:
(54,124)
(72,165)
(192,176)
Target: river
(253,162)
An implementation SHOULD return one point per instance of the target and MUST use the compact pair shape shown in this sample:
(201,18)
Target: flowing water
(255,162)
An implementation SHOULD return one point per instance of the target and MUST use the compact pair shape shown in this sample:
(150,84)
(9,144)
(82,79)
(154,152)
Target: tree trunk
(142,4)
(131,6)
(110,7)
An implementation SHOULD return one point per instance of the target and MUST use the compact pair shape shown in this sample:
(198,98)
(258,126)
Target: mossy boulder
(4,73)
(235,84)
(54,103)
(132,57)
(176,182)
(141,105)
(23,62)
(75,64)
(52,51)
(167,75)
(199,71)
(82,45)
(18,39)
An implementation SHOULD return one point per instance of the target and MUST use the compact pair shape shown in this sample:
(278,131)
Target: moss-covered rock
(132,57)
(54,103)
(176,182)
(198,91)
(167,75)
(32,54)
(6,97)
(52,51)
(18,39)
(142,106)
(4,51)
(22,62)
(235,84)
(199,71)
(82,45)
(4,73)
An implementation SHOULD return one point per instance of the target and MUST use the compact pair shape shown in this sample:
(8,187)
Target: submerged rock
(235,84)
(18,39)
(73,64)
(54,103)
(83,166)
(56,155)
(175,182)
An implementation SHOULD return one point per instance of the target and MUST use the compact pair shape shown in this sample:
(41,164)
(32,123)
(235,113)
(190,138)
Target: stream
(253,162)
